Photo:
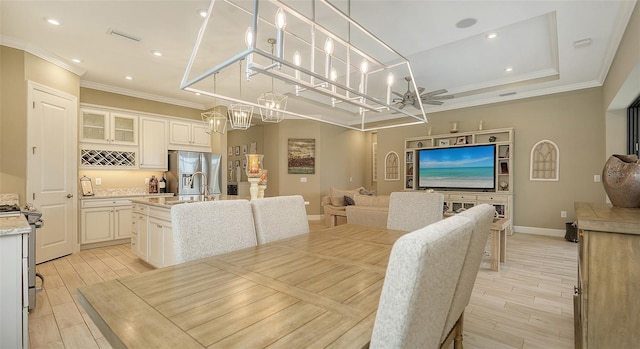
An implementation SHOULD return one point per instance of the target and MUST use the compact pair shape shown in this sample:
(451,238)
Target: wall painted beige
(622,86)
(16,69)
(339,158)
(13,122)
(91,96)
(573,120)
(627,59)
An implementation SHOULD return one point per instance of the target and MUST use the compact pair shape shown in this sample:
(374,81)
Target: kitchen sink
(185,199)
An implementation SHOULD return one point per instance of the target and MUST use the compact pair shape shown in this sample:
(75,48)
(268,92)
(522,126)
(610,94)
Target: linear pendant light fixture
(330,67)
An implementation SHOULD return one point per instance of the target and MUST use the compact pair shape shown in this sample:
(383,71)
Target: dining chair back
(482,216)
(279,217)
(424,267)
(410,211)
(205,229)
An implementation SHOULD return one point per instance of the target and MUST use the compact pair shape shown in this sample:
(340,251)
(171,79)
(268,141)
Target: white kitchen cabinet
(14,289)
(185,135)
(153,143)
(139,231)
(106,127)
(103,220)
(160,238)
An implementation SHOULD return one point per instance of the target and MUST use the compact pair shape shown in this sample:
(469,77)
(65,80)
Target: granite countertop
(168,202)
(123,193)
(14,225)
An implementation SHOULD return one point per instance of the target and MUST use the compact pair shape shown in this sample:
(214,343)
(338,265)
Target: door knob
(69,196)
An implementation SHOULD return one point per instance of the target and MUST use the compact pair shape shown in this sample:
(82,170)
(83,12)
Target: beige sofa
(368,210)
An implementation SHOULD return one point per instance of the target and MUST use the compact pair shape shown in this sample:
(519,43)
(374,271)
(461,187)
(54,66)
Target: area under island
(152,230)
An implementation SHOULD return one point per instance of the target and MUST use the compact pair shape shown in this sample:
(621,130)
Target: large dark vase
(621,179)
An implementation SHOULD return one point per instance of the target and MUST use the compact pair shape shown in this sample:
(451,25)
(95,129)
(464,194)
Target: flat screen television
(466,167)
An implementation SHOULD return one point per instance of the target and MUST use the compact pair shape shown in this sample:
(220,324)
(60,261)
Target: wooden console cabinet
(606,300)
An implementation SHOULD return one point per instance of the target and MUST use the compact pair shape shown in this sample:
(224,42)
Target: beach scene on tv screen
(461,167)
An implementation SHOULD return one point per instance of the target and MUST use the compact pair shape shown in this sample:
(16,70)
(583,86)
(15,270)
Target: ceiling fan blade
(420,90)
(432,102)
(437,98)
(402,106)
(436,92)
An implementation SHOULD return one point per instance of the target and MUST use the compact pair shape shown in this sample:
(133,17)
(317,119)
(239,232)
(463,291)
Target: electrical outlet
(306,202)
(98,181)
(563,214)
(303,179)
(146,181)
(596,178)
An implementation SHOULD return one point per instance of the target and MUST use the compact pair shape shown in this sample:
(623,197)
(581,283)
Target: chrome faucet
(204,181)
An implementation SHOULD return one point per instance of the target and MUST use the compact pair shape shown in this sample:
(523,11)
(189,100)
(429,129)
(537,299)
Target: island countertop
(168,202)
(14,225)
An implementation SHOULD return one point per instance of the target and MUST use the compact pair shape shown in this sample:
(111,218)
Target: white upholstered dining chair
(424,267)
(410,211)
(482,216)
(205,229)
(279,217)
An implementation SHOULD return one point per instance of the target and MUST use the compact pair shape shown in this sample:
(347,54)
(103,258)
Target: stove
(33,217)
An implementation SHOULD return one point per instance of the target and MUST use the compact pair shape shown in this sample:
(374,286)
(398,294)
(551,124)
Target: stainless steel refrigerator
(182,166)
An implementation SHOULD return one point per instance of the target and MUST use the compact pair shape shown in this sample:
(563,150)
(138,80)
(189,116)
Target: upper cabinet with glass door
(108,127)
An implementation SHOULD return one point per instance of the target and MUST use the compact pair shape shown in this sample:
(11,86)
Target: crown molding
(142,95)
(38,52)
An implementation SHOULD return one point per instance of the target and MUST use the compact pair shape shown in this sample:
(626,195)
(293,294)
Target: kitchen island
(152,230)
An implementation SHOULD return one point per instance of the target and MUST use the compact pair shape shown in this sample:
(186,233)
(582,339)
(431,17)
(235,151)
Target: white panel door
(153,143)
(52,169)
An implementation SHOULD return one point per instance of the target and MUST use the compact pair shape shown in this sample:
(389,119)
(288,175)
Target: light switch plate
(303,179)
(98,181)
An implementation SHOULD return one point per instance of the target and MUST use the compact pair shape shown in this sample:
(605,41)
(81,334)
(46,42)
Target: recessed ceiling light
(128,77)
(202,13)
(466,23)
(76,60)
(52,21)
(492,35)
(156,53)
(508,69)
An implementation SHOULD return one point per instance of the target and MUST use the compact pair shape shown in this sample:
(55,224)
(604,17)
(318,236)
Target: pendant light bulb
(281,19)
(328,46)
(248,37)
(297,59)
(333,75)
(364,66)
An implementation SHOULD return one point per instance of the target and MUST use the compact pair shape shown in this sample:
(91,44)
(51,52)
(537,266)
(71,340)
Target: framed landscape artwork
(301,156)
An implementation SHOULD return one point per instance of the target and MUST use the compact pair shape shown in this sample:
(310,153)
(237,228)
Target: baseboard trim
(539,231)
(315,217)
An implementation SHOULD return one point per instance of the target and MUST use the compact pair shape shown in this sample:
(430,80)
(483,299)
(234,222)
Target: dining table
(315,290)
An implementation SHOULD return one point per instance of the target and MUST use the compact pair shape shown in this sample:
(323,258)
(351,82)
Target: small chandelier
(214,121)
(273,105)
(240,114)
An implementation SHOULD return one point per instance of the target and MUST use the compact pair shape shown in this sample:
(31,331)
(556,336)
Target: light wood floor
(528,304)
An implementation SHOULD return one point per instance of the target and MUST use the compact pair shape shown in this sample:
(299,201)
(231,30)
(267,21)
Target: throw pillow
(349,200)
(337,195)
(364,191)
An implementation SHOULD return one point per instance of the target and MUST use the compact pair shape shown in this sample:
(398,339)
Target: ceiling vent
(123,35)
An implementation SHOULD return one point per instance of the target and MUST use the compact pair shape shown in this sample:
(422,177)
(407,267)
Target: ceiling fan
(412,98)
